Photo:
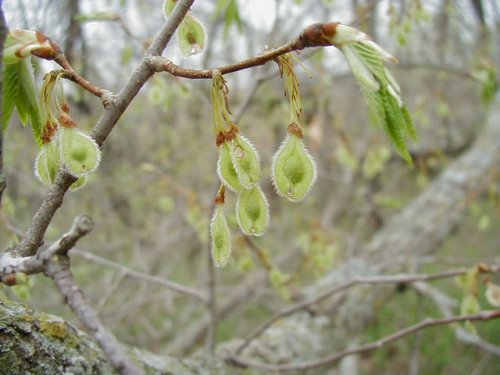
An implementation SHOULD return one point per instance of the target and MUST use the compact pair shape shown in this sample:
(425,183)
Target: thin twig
(53,200)
(400,278)
(9,264)
(142,276)
(58,270)
(427,323)
(56,265)
(71,74)
(311,36)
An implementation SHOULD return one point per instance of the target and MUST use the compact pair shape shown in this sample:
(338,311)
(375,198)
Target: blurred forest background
(152,195)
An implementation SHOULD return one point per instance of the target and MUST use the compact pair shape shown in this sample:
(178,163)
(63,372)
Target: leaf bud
(23,43)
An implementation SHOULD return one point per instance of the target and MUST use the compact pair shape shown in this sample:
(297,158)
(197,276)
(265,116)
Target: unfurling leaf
(245,160)
(191,33)
(19,92)
(24,43)
(225,169)
(220,237)
(252,211)
(293,169)
(47,163)
(79,152)
(382,93)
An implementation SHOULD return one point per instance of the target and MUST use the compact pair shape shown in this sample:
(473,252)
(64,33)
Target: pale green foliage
(19,92)
(252,211)
(231,13)
(293,169)
(382,93)
(375,161)
(220,237)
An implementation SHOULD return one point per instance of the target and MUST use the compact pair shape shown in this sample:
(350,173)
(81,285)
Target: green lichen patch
(52,327)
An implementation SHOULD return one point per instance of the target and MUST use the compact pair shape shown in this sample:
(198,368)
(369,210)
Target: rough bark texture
(38,343)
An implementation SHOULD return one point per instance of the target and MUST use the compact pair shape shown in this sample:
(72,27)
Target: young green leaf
(245,160)
(19,92)
(191,34)
(220,237)
(293,169)
(225,169)
(78,151)
(252,211)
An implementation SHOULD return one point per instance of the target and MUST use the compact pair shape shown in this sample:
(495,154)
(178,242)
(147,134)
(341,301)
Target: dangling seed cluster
(62,142)
(239,170)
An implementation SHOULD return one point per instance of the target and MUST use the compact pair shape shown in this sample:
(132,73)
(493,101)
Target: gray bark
(39,343)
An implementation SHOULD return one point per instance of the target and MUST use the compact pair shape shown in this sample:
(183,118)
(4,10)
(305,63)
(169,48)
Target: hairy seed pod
(78,151)
(78,184)
(245,160)
(47,163)
(220,237)
(192,35)
(225,169)
(252,211)
(168,7)
(293,169)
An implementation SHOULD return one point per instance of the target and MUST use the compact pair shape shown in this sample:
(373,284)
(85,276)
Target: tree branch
(311,36)
(179,288)
(41,220)
(57,269)
(427,323)
(394,279)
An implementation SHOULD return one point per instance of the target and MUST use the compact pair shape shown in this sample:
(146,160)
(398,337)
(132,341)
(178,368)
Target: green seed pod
(225,169)
(293,169)
(168,7)
(47,163)
(78,151)
(220,237)
(78,184)
(245,160)
(192,35)
(252,211)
